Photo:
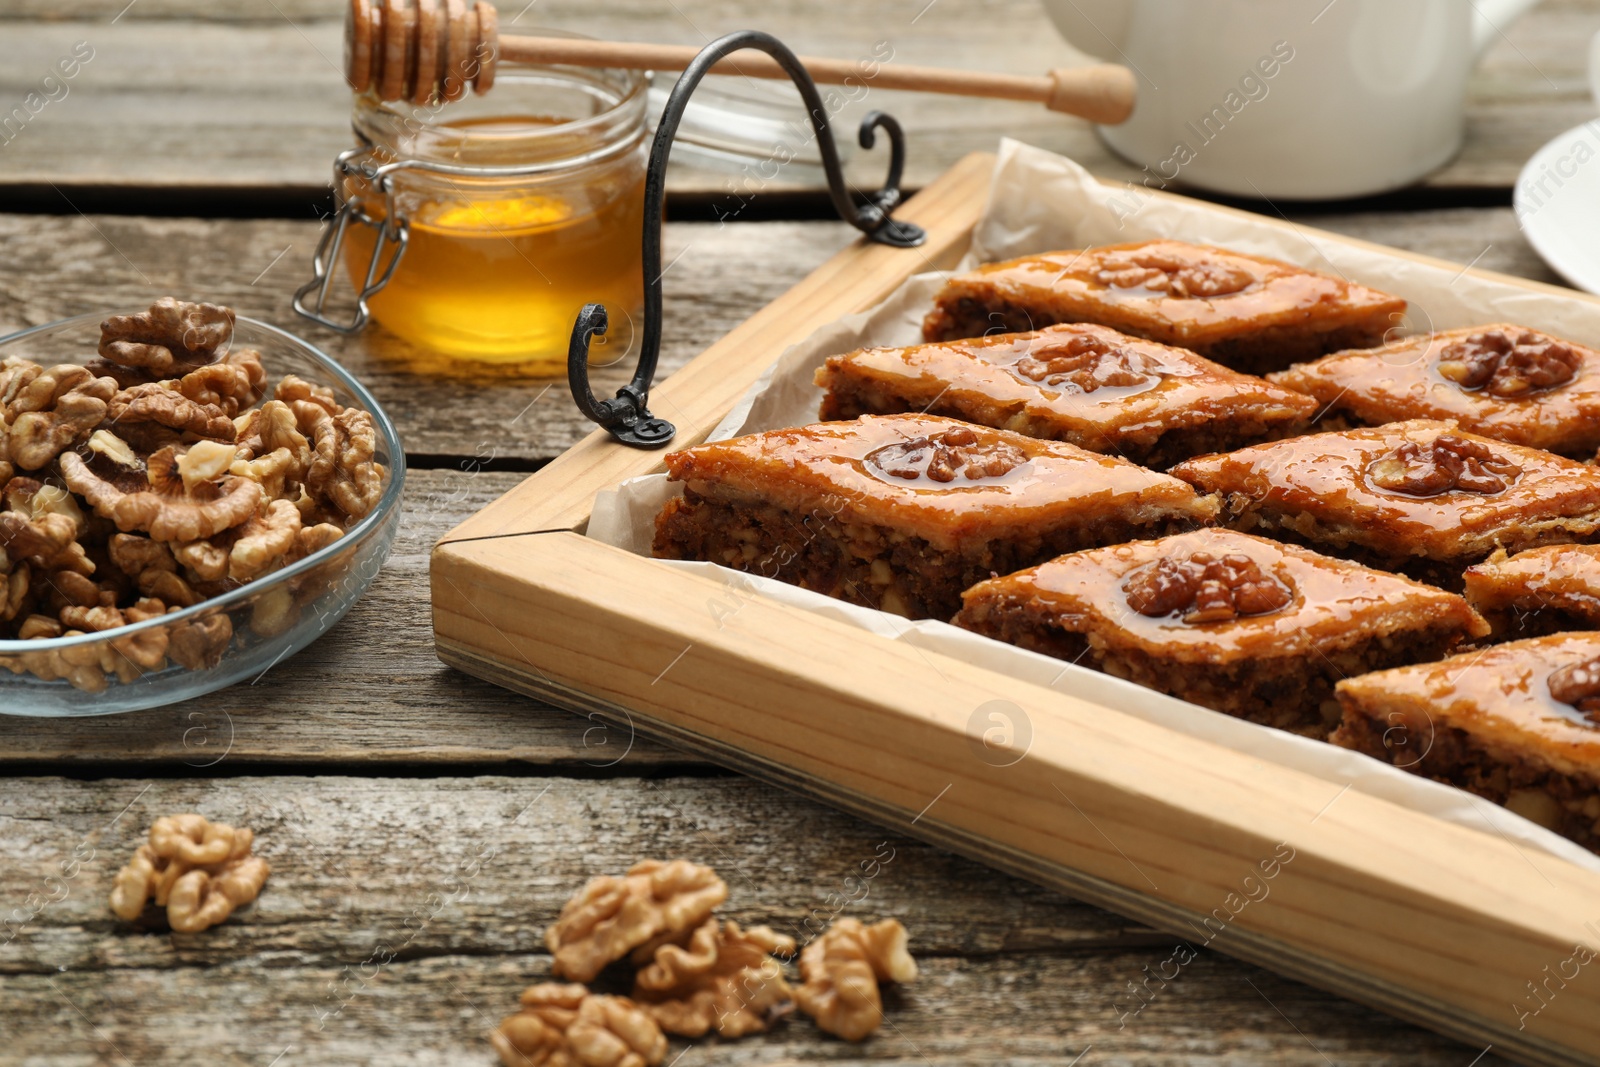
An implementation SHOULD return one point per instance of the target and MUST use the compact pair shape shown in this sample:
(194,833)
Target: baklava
(1503,381)
(1419,497)
(1541,591)
(1247,312)
(1254,628)
(1087,385)
(1518,724)
(903,512)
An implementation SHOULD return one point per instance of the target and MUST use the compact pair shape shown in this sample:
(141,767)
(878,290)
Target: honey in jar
(519,207)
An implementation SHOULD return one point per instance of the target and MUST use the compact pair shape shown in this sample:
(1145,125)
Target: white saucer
(1557,200)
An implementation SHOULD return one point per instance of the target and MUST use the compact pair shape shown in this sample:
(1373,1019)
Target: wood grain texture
(187,94)
(721,274)
(1010,973)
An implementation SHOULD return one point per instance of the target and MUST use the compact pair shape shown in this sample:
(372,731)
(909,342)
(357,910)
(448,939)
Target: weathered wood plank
(252,97)
(370,691)
(720,275)
(1011,973)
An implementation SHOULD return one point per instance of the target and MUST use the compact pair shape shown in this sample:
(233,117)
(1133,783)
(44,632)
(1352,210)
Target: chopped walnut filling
(1449,463)
(1578,684)
(943,456)
(1203,588)
(1507,366)
(1173,277)
(1084,364)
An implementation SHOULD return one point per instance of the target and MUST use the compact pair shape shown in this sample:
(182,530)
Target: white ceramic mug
(1290,98)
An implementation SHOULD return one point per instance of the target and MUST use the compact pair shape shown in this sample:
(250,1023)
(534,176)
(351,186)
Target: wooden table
(187,158)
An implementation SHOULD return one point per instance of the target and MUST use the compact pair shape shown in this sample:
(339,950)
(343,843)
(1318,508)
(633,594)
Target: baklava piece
(1243,625)
(1506,382)
(1087,385)
(1250,313)
(1419,497)
(1518,724)
(903,512)
(1541,591)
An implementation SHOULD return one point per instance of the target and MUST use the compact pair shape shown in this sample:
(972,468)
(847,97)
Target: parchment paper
(1038,202)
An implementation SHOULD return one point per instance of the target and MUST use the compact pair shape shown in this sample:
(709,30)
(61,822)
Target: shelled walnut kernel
(567,1026)
(842,969)
(692,979)
(199,871)
(721,977)
(146,482)
(611,917)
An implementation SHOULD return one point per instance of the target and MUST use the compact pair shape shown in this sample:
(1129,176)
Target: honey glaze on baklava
(1084,384)
(1501,381)
(1518,724)
(1540,591)
(1247,312)
(1254,628)
(1420,497)
(903,512)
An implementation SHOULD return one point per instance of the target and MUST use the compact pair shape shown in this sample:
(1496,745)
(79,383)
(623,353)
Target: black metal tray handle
(627,415)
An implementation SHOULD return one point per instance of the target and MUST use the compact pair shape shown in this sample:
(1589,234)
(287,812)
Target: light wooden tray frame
(1429,921)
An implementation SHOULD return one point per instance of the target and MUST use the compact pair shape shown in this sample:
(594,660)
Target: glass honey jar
(478,228)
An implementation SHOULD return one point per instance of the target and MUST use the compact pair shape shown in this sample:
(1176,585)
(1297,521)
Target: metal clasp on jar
(393,228)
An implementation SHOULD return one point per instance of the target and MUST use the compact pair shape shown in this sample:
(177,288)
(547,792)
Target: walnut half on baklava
(1247,312)
(1502,381)
(1518,724)
(903,512)
(1088,385)
(1419,497)
(1243,625)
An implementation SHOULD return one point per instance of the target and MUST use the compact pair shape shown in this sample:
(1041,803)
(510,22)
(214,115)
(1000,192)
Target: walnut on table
(720,976)
(567,1026)
(611,917)
(841,970)
(199,871)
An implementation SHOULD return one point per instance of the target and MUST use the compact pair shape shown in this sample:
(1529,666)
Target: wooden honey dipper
(417,50)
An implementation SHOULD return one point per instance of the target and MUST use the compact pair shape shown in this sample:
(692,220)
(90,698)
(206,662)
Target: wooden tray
(1426,920)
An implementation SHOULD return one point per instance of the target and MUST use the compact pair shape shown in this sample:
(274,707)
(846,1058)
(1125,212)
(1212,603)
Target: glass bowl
(270,618)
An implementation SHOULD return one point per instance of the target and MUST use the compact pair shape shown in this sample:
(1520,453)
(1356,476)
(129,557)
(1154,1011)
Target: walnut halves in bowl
(183,506)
